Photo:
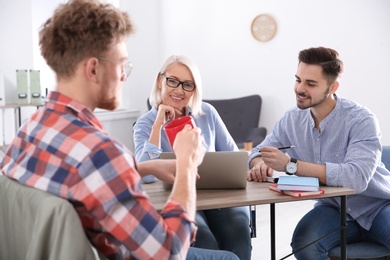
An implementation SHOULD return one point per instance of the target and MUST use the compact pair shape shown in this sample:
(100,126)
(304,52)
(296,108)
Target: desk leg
(273,246)
(253,220)
(343,228)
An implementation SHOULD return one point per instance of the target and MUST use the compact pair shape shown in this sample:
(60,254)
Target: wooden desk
(255,194)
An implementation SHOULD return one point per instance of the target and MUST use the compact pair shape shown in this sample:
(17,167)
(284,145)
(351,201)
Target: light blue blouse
(214,132)
(348,144)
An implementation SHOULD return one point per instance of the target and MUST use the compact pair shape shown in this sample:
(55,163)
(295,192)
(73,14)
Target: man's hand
(189,145)
(259,171)
(262,167)
(189,149)
(274,158)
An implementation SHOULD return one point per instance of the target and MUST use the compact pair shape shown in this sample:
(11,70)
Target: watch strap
(293,160)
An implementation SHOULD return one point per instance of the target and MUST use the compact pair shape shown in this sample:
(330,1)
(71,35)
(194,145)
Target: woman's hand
(163,170)
(165,113)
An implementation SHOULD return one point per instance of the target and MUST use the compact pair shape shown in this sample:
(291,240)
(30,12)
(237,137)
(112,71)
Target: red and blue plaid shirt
(64,150)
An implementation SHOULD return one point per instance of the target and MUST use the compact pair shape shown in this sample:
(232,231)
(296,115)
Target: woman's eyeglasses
(175,83)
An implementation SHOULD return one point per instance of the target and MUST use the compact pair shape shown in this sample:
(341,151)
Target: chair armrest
(257,135)
(248,134)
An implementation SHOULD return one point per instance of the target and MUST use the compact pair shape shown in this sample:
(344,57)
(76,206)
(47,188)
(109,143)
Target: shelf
(19,105)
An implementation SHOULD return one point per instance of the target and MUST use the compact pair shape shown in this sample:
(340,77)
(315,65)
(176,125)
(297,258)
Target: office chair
(363,250)
(241,117)
(37,225)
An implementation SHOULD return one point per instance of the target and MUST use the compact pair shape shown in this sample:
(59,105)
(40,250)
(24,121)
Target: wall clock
(263,27)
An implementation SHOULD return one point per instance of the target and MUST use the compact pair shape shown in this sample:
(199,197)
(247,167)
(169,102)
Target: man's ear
(91,69)
(334,87)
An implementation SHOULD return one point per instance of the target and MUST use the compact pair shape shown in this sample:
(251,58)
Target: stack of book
(297,186)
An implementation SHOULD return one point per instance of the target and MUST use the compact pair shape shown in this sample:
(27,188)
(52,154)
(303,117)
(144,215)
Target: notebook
(219,170)
(298,183)
(296,193)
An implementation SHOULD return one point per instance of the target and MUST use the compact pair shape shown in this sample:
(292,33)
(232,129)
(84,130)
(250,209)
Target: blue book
(298,183)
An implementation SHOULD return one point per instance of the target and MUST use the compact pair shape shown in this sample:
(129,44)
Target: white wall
(216,34)
(16,50)
(145,50)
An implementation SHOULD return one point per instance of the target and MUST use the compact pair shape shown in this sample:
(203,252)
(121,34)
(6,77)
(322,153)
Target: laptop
(219,170)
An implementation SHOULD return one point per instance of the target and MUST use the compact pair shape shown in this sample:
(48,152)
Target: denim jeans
(324,219)
(225,229)
(207,254)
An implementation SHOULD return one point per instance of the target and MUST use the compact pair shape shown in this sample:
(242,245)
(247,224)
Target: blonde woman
(177,92)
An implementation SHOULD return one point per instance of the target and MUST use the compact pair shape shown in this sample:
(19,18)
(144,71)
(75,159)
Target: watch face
(291,167)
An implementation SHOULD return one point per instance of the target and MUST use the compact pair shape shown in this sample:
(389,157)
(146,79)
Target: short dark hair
(80,29)
(327,58)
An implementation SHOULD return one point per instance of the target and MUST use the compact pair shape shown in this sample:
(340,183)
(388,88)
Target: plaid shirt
(64,150)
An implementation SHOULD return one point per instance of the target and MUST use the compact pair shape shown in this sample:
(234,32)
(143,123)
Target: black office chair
(364,250)
(241,117)
(148,104)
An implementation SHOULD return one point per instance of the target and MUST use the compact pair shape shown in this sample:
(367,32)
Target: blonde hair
(195,102)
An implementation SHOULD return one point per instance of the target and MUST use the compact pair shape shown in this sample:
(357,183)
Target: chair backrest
(241,117)
(148,104)
(242,112)
(37,225)
(386,156)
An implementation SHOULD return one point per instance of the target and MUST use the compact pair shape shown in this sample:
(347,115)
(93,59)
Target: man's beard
(325,96)
(108,104)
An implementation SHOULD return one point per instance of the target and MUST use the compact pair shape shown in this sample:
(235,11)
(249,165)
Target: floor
(287,216)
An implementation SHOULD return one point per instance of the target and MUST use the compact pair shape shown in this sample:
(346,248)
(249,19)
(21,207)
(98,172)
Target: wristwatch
(291,167)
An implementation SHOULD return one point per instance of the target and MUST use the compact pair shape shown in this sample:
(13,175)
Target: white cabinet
(119,124)
(11,120)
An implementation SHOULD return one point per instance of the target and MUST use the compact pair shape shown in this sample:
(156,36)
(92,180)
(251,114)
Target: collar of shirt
(60,102)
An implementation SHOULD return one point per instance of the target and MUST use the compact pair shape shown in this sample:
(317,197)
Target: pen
(284,147)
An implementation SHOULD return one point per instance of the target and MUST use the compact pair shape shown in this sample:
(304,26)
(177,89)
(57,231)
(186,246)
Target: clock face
(263,27)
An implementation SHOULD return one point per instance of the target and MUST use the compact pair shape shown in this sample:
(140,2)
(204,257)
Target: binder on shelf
(35,87)
(22,87)
(2,89)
